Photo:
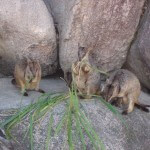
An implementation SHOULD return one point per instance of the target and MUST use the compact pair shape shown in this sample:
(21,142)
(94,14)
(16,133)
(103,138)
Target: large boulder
(5,144)
(106,26)
(26,30)
(108,126)
(138,60)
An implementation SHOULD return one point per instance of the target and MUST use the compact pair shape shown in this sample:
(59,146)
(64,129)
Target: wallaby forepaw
(146,110)
(125,112)
(13,81)
(41,91)
(112,102)
(25,94)
(80,97)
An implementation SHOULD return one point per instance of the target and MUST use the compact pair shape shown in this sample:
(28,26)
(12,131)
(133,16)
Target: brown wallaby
(124,86)
(86,79)
(27,75)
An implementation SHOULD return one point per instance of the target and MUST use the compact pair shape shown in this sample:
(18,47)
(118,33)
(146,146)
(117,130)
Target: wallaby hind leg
(88,96)
(117,101)
(13,81)
(113,101)
(80,95)
(90,92)
(125,100)
(40,90)
(23,89)
(98,92)
(130,105)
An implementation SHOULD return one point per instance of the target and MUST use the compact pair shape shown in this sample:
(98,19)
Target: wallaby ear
(75,68)
(28,60)
(81,52)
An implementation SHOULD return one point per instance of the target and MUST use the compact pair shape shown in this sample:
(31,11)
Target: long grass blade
(79,130)
(88,133)
(61,122)
(26,133)
(45,107)
(88,125)
(74,98)
(69,130)
(12,118)
(113,110)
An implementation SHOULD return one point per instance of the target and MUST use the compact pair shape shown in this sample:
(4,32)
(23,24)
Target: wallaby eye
(86,69)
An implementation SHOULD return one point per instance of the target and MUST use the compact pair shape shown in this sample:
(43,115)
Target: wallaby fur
(68,74)
(85,78)
(27,75)
(125,86)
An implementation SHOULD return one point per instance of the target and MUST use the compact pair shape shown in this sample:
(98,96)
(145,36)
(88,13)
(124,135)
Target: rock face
(5,144)
(26,30)
(108,126)
(8,91)
(138,60)
(106,26)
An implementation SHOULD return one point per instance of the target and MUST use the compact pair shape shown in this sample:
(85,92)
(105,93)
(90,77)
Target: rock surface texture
(106,26)
(6,144)
(138,60)
(26,30)
(110,129)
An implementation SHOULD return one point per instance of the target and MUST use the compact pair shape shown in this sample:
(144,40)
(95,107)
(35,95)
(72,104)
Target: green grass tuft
(50,124)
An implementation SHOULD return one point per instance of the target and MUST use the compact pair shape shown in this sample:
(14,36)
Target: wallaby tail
(142,107)
(13,81)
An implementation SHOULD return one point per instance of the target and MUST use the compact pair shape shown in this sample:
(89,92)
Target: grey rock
(6,144)
(11,97)
(26,30)
(139,54)
(107,26)
(2,75)
(110,129)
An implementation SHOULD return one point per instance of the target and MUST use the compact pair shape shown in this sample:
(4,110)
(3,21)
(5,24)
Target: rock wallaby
(124,87)
(27,75)
(86,79)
